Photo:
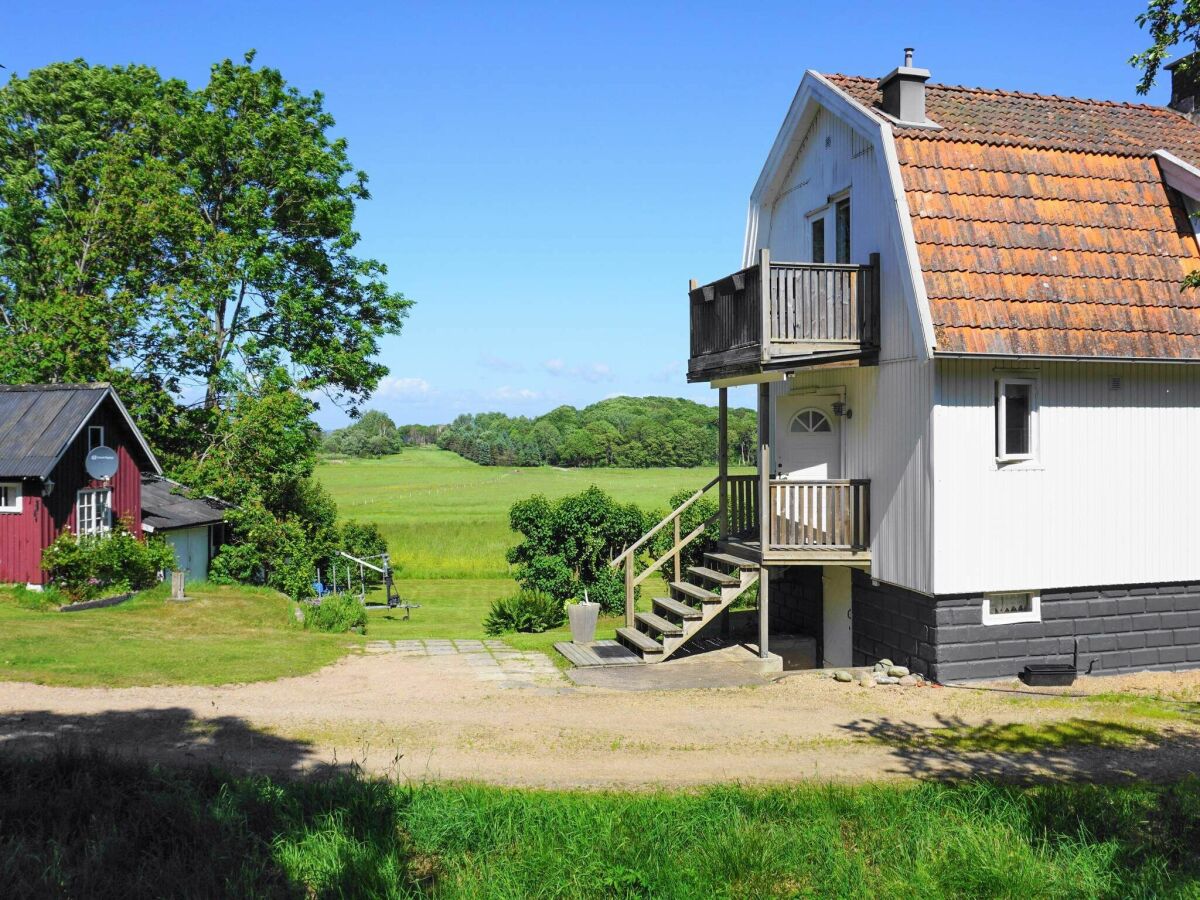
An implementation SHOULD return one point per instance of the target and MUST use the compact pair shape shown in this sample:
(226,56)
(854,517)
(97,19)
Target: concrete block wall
(796,600)
(1117,629)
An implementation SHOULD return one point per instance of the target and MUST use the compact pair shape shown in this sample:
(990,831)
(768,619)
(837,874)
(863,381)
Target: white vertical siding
(1110,499)
(832,157)
(888,441)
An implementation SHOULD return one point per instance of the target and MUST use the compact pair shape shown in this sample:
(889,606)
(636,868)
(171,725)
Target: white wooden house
(979,384)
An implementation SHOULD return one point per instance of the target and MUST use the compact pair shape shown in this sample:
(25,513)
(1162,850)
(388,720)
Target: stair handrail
(674,514)
(628,556)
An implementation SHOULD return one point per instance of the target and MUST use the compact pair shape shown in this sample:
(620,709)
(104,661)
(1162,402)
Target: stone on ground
(842,675)
(897,671)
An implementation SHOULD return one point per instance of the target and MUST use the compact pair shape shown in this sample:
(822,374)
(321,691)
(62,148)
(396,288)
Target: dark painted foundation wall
(1118,629)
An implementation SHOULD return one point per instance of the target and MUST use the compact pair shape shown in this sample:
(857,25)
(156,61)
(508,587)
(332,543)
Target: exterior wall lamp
(841,411)
(47,487)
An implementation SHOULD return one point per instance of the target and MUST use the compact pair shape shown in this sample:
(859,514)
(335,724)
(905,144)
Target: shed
(193,525)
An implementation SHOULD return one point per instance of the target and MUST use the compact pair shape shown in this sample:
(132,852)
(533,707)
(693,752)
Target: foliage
(337,613)
(527,611)
(567,543)
(372,436)
(185,234)
(692,518)
(633,432)
(195,831)
(1169,22)
(94,565)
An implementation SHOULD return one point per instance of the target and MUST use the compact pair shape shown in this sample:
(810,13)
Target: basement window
(10,496)
(1016,419)
(1012,607)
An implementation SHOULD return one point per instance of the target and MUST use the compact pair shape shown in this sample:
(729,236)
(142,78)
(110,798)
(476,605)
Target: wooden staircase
(706,592)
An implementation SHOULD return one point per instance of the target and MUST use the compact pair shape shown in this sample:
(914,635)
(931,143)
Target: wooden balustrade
(812,310)
(743,504)
(832,514)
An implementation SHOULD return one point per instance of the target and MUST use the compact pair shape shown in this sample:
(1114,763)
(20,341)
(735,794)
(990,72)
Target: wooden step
(695,592)
(659,624)
(676,608)
(641,641)
(734,562)
(712,575)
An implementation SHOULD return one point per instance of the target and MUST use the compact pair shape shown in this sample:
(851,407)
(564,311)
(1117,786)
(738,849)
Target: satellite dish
(101,463)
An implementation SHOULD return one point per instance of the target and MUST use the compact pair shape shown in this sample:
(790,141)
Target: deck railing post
(629,590)
(764,506)
(766,303)
(723,462)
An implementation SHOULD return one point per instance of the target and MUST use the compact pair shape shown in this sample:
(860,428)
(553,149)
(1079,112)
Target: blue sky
(546,177)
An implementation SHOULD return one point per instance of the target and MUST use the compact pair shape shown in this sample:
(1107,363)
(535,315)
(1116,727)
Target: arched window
(810,421)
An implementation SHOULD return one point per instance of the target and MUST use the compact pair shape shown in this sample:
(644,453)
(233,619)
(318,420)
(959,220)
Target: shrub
(337,613)
(527,611)
(568,543)
(95,565)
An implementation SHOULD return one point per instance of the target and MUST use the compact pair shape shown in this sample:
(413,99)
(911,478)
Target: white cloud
(555,366)
(674,372)
(403,388)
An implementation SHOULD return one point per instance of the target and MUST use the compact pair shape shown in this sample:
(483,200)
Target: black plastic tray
(1048,675)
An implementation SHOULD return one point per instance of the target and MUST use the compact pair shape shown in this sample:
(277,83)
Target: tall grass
(87,825)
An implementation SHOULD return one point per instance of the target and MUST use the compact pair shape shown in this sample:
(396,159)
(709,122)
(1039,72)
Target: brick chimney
(904,91)
(1185,86)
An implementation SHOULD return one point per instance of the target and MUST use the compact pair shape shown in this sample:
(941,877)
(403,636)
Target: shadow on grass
(1075,749)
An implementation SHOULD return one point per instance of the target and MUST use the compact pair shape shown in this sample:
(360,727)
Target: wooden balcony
(813,313)
(808,522)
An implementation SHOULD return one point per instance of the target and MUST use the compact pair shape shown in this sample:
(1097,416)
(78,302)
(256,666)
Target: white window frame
(15,492)
(1033,614)
(95,431)
(1002,454)
(94,527)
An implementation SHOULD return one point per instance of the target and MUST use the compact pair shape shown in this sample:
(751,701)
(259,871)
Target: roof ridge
(76,386)
(1002,92)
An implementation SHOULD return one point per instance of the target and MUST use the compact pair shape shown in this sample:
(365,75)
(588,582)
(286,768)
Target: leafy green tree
(372,436)
(1169,23)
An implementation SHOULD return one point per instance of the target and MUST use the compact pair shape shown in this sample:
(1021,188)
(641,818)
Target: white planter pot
(583,621)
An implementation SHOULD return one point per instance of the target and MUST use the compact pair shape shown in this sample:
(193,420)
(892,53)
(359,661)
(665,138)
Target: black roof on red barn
(39,421)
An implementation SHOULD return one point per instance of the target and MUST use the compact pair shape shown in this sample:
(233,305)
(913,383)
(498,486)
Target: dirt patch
(435,717)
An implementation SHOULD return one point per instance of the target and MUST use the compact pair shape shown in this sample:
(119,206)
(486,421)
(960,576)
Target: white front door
(808,440)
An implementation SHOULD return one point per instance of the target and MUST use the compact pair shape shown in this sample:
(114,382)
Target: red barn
(47,434)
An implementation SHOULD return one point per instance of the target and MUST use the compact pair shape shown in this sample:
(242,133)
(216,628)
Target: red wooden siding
(24,535)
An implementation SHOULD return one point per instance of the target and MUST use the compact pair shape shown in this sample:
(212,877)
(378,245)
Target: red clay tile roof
(1044,226)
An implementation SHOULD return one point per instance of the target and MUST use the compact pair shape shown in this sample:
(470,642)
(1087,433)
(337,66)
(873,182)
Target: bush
(337,613)
(568,544)
(98,565)
(527,611)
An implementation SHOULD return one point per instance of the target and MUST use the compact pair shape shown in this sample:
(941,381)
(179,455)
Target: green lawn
(90,826)
(446,524)
(223,635)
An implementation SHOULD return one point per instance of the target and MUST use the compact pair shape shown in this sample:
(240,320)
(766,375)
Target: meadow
(446,523)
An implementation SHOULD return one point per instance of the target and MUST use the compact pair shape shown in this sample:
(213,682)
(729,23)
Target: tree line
(632,432)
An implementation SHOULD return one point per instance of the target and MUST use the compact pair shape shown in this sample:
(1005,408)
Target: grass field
(446,523)
(224,634)
(90,826)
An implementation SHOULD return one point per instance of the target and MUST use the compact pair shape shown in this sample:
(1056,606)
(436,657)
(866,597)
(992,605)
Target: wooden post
(765,302)
(723,461)
(678,572)
(629,590)
(765,468)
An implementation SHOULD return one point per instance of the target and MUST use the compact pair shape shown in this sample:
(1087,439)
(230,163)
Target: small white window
(817,235)
(10,496)
(1016,419)
(93,511)
(95,437)
(1011,608)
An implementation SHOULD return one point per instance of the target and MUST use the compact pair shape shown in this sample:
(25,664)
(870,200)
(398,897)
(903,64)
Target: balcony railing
(829,515)
(814,311)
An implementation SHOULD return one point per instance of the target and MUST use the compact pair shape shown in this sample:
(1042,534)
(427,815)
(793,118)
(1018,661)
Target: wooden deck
(751,548)
(598,653)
